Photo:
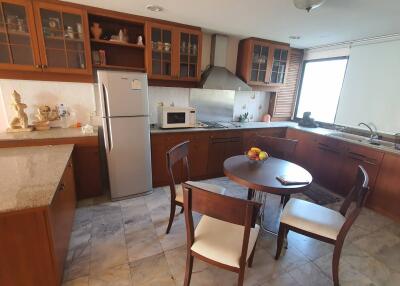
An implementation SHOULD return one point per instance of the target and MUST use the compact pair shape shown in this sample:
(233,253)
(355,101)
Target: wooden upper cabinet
(190,42)
(173,53)
(63,36)
(262,62)
(162,51)
(18,41)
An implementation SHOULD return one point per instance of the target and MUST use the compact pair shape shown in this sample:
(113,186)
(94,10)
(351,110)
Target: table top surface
(261,176)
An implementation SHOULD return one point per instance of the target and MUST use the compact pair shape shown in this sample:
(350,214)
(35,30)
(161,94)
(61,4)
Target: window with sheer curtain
(320,88)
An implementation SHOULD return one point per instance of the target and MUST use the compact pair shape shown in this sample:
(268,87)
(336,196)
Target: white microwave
(177,117)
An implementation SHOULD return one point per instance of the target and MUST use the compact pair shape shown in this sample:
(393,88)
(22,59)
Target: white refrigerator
(124,109)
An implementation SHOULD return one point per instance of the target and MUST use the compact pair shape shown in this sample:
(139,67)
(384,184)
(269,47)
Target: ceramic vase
(96,31)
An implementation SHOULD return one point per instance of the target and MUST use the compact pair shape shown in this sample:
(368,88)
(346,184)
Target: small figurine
(140,40)
(44,116)
(20,121)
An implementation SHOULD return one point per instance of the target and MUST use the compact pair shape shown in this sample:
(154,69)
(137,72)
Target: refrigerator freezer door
(128,156)
(123,93)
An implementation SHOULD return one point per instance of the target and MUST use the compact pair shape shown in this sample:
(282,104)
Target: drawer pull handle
(62,187)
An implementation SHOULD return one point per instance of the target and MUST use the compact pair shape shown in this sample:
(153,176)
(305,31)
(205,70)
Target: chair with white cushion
(175,155)
(322,223)
(226,235)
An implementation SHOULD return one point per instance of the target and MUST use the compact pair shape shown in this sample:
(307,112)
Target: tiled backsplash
(80,98)
(254,102)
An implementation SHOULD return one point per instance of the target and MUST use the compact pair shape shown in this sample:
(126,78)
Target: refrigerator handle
(105,100)
(106,133)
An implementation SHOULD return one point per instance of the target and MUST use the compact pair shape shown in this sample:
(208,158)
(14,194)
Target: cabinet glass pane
(161,51)
(189,45)
(76,60)
(259,63)
(14,34)
(63,38)
(279,66)
(56,58)
(4,54)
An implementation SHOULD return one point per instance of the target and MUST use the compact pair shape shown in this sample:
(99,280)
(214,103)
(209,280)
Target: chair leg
(281,238)
(241,276)
(189,268)
(250,194)
(182,209)
(250,262)
(335,263)
(171,216)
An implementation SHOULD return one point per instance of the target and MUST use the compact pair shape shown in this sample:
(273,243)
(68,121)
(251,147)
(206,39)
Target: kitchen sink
(362,139)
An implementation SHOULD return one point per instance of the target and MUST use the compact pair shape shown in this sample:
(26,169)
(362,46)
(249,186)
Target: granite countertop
(282,124)
(53,133)
(29,176)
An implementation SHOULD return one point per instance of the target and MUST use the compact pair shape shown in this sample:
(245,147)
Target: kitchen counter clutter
(29,176)
(53,133)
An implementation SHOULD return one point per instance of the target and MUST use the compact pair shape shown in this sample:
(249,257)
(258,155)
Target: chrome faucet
(373,135)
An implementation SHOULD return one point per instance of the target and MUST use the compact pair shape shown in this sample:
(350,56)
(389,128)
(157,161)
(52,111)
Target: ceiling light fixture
(308,5)
(154,8)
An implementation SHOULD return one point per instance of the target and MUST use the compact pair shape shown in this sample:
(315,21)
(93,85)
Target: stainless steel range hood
(217,76)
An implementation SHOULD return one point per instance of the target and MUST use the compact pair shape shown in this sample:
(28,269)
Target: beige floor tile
(310,275)
(377,241)
(311,248)
(282,280)
(116,276)
(152,271)
(142,243)
(347,274)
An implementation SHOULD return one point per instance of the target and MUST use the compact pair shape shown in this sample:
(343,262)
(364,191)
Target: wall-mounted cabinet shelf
(123,55)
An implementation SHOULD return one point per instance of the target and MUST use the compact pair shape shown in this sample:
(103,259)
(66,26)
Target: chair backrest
(282,148)
(358,194)
(221,207)
(178,153)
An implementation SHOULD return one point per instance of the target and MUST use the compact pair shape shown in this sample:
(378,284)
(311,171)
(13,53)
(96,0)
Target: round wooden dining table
(262,177)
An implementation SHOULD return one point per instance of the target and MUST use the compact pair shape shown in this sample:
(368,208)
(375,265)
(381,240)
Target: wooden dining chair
(176,154)
(226,235)
(323,223)
(277,147)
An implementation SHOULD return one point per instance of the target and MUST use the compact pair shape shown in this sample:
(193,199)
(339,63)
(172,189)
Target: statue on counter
(20,121)
(43,117)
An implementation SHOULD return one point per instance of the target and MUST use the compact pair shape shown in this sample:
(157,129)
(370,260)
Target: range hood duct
(217,76)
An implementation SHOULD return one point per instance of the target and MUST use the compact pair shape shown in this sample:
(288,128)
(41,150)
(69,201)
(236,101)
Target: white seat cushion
(312,218)
(222,241)
(205,186)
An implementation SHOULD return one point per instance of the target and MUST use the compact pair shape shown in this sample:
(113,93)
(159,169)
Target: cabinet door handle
(62,187)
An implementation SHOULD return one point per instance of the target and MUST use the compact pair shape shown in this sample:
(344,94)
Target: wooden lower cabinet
(198,153)
(305,148)
(355,155)
(250,136)
(86,160)
(385,198)
(222,146)
(34,250)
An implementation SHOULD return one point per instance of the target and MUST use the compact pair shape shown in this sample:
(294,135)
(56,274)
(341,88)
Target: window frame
(295,117)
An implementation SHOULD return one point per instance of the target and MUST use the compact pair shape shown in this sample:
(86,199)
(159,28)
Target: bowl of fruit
(255,154)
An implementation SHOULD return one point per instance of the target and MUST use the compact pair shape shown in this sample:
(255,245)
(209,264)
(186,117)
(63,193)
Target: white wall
(78,97)
(371,89)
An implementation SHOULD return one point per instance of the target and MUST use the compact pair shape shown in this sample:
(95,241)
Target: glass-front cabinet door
(18,42)
(279,66)
(162,49)
(259,63)
(63,38)
(189,51)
